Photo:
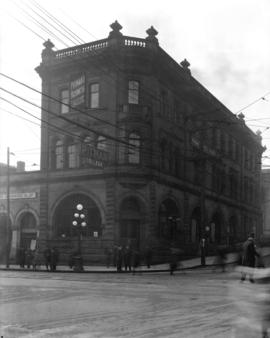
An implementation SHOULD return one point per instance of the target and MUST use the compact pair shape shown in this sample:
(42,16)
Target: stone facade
(152,155)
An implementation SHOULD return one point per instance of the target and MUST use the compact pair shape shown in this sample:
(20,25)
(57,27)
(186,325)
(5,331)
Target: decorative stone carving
(116,27)
(47,52)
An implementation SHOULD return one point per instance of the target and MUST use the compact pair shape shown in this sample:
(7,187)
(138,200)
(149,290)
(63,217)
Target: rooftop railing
(98,45)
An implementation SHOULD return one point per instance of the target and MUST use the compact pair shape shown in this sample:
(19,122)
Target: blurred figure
(249,257)
(36,260)
(28,258)
(119,259)
(173,260)
(221,258)
(54,259)
(47,258)
(252,303)
(127,257)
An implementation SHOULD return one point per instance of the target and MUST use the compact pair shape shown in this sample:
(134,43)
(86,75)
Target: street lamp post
(79,223)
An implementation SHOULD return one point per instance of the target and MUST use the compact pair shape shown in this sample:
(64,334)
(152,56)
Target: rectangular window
(64,98)
(94,95)
(133,92)
(72,156)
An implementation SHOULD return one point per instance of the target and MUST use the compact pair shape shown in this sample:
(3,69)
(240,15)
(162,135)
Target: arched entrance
(169,218)
(28,227)
(131,221)
(64,216)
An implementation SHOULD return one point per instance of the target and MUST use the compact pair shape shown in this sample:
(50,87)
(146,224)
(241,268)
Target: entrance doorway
(130,222)
(28,227)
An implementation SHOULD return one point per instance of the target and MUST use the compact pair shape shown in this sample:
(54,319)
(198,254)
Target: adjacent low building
(154,158)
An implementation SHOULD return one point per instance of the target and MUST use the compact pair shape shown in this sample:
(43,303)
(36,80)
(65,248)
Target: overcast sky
(225,41)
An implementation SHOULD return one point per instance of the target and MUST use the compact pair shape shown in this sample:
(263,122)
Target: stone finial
(152,33)
(259,135)
(185,65)
(47,52)
(48,44)
(241,117)
(116,27)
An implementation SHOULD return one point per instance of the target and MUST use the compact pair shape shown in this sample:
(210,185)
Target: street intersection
(194,303)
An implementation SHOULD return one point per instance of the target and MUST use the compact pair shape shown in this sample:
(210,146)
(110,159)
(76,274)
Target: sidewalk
(185,265)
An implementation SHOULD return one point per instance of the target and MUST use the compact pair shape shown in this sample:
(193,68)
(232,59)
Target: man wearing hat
(249,257)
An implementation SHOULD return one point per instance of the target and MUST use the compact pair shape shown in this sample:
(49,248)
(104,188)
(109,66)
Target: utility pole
(8,209)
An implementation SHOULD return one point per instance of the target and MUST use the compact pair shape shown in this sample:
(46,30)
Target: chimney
(20,166)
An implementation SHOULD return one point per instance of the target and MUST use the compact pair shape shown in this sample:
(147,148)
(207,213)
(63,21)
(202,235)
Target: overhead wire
(105,121)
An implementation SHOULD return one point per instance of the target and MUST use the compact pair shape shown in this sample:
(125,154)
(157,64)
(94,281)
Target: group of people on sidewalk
(125,258)
(34,258)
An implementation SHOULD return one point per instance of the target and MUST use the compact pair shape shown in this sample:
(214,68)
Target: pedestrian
(28,258)
(249,257)
(127,257)
(173,260)
(54,259)
(119,259)
(47,257)
(36,260)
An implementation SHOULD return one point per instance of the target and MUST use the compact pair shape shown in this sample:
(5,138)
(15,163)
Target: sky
(225,41)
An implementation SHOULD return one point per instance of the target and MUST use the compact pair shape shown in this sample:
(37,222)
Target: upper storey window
(64,98)
(94,95)
(133,92)
(134,141)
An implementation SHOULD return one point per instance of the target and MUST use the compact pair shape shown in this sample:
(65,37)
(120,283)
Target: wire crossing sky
(225,41)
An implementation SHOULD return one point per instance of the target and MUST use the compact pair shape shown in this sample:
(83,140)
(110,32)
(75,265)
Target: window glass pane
(94,95)
(133,92)
(134,148)
(64,98)
(59,151)
(72,156)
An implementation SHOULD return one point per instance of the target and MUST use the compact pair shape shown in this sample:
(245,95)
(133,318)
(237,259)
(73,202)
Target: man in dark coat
(249,256)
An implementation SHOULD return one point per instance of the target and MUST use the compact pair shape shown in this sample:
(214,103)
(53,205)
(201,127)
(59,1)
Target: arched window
(59,154)
(134,148)
(64,216)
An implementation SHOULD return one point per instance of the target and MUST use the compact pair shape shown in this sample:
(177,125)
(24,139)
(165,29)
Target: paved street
(194,303)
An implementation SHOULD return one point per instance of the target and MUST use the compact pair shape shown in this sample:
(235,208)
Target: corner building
(153,156)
